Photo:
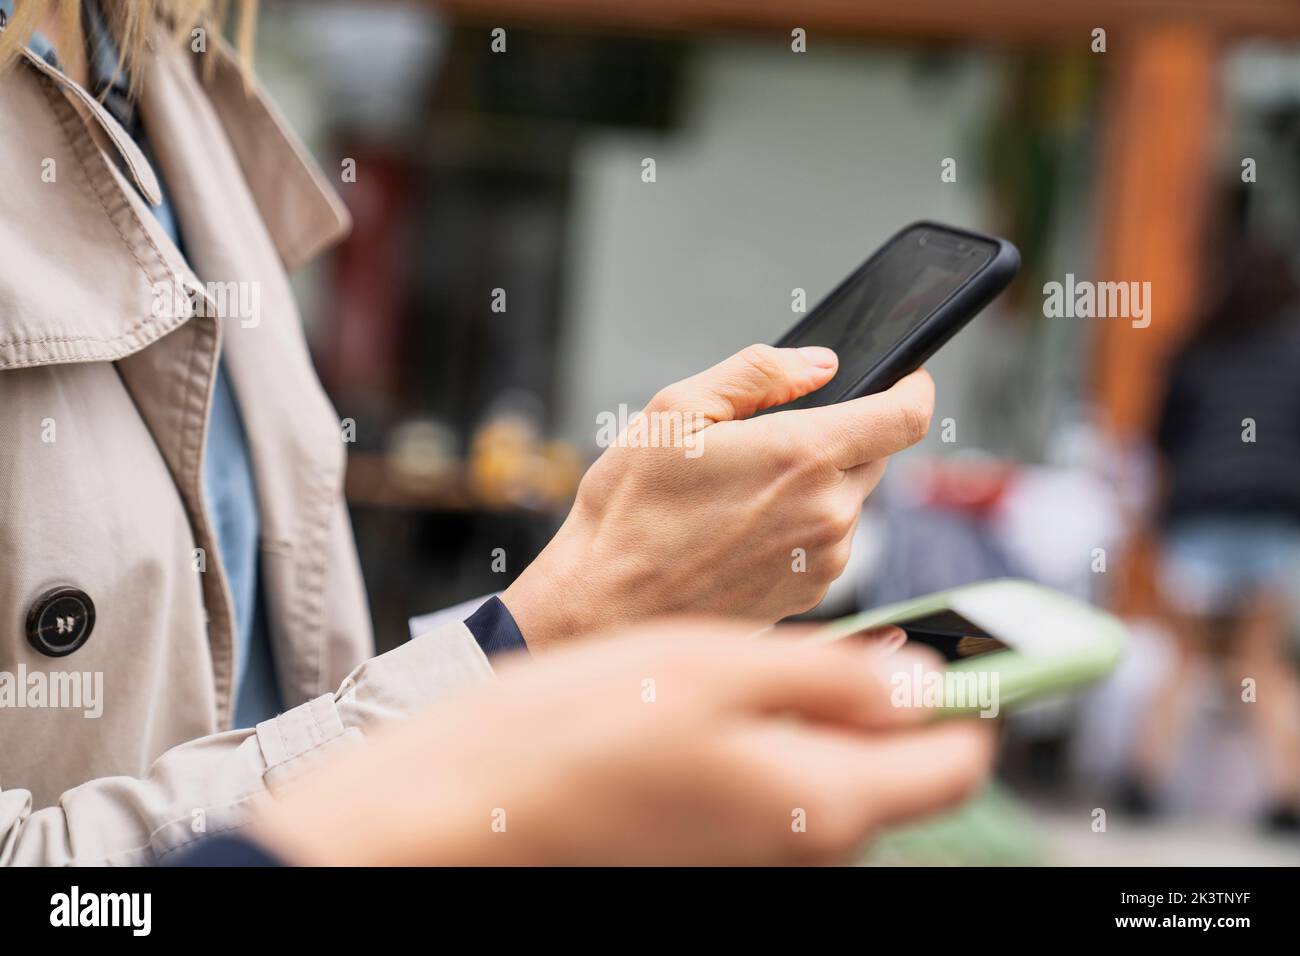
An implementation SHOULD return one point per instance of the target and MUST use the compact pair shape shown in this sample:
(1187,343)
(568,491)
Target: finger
(870,428)
(917,771)
(861,480)
(840,683)
(853,784)
(884,640)
(755,378)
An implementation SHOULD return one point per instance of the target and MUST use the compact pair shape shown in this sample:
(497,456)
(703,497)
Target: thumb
(755,378)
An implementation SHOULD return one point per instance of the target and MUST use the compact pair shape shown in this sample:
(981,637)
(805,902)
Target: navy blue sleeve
(225,851)
(494,627)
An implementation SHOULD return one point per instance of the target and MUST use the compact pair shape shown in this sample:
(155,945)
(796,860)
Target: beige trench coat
(104,400)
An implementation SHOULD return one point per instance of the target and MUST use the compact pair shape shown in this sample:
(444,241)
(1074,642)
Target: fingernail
(816,355)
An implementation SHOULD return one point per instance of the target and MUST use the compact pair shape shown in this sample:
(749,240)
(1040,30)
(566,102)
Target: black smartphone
(901,305)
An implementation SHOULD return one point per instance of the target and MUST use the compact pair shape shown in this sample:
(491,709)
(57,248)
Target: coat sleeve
(206,786)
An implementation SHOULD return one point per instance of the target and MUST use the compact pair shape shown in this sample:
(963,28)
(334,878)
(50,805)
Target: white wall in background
(789,170)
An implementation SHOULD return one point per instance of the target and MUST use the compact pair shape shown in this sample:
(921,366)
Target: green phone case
(1057,642)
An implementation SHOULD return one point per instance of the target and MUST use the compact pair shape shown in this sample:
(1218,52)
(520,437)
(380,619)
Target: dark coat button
(60,621)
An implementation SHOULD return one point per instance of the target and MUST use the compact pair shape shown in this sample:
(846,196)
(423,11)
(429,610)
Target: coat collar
(302,211)
(81,257)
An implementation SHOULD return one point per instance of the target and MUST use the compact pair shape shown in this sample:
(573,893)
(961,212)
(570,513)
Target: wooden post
(1156,183)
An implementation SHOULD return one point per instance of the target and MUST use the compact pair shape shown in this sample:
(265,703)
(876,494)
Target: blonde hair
(130,21)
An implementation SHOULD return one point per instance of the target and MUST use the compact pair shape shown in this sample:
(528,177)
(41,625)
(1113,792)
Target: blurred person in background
(172,518)
(1229,437)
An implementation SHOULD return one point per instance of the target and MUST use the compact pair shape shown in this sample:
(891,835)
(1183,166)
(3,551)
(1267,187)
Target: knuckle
(786,454)
(815,466)
(760,354)
(765,360)
(670,396)
(837,530)
(820,460)
(812,594)
(835,524)
(839,556)
(848,520)
(825,530)
(829,568)
(914,422)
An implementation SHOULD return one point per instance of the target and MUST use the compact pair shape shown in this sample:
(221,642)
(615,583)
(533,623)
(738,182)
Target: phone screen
(885,300)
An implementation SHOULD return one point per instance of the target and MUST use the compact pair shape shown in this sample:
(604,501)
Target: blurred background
(511,276)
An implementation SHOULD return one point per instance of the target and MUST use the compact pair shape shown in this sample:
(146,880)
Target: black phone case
(927,338)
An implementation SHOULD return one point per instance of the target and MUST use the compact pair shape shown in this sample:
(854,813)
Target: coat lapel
(292,429)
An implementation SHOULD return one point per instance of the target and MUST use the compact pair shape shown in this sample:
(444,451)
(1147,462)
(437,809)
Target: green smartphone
(1006,642)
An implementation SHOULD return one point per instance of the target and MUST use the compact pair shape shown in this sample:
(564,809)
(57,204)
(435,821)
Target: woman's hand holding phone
(746,516)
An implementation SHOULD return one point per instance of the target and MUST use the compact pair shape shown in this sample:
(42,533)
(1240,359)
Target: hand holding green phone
(1006,642)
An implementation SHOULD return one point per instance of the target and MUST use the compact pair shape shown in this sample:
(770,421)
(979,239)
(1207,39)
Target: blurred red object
(360,353)
(973,486)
